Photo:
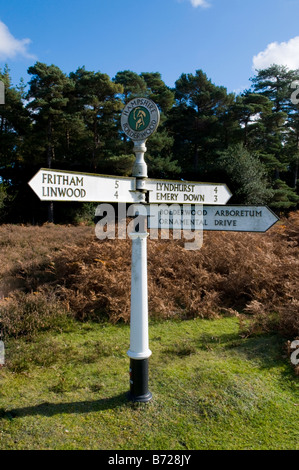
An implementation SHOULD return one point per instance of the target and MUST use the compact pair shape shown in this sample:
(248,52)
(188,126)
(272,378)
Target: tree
(99,103)
(157,91)
(246,176)
(199,121)
(14,124)
(47,102)
(284,197)
(281,129)
(274,83)
(159,146)
(14,129)
(248,110)
(132,83)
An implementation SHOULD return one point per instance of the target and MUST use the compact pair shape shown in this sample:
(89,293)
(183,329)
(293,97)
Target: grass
(212,389)
(65,382)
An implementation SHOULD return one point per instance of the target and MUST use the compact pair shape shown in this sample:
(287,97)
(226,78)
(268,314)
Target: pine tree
(47,102)
(100,104)
(14,129)
(199,121)
(132,83)
(245,175)
(159,146)
(280,132)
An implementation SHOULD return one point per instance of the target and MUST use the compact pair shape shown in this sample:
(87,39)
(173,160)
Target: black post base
(139,381)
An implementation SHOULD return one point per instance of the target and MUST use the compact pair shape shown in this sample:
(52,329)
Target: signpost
(228,218)
(140,118)
(206,202)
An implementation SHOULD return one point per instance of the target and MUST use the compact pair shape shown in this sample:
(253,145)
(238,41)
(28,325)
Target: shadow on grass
(51,409)
(267,349)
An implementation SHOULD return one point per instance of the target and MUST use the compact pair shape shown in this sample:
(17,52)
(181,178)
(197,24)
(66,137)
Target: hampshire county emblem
(140,118)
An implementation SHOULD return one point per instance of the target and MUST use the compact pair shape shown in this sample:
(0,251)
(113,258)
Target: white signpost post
(140,118)
(206,201)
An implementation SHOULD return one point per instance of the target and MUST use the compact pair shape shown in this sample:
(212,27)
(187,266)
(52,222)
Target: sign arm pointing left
(57,185)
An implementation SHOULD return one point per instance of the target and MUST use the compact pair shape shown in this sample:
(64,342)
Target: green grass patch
(212,389)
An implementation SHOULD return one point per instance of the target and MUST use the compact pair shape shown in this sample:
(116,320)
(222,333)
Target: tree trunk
(196,160)
(51,212)
(49,163)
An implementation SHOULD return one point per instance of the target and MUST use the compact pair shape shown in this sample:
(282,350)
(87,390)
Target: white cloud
(199,3)
(10,47)
(283,53)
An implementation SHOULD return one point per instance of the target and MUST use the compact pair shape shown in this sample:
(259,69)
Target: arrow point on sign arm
(229,193)
(33,183)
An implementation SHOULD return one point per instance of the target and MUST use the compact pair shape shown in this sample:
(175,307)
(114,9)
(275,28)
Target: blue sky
(224,38)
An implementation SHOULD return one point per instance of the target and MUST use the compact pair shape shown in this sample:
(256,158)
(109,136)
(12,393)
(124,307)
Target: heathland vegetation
(53,271)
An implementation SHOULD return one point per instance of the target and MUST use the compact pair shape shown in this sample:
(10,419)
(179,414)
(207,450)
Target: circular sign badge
(140,118)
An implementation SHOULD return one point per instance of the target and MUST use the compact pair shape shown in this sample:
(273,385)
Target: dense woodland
(249,141)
